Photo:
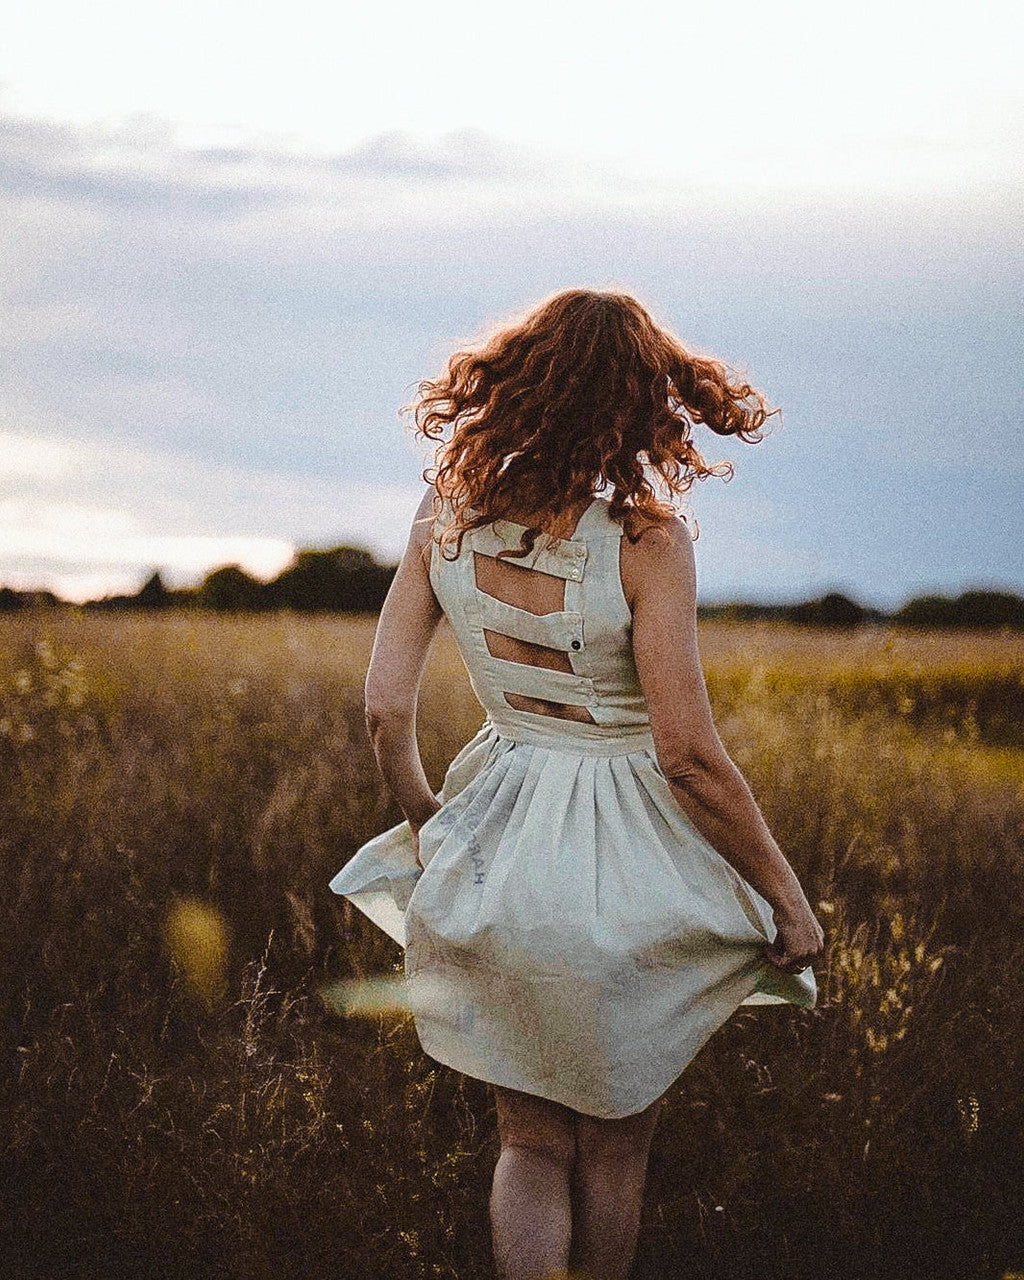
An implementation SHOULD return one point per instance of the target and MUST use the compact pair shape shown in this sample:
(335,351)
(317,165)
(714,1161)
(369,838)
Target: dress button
(576,645)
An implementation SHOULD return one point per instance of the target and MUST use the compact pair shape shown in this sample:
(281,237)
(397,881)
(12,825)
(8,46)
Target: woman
(594,890)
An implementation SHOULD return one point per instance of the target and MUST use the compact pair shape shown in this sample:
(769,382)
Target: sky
(234,238)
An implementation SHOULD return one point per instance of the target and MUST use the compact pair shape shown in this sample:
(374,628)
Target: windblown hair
(582,392)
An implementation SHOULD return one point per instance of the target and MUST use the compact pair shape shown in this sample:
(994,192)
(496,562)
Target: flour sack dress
(572,935)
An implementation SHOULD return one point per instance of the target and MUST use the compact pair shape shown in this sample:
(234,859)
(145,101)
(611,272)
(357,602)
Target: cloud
(117,169)
(24,457)
(100,537)
(215,340)
(463,154)
(139,169)
(87,514)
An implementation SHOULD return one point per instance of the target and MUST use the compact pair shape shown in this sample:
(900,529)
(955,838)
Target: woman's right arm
(660,582)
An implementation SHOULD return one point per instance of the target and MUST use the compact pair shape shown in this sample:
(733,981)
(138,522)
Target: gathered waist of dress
(574,736)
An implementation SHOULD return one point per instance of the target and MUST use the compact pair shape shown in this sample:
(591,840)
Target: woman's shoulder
(422,533)
(654,529)
(656,549)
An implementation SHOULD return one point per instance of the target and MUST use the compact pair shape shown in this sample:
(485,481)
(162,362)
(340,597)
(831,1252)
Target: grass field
(187,784)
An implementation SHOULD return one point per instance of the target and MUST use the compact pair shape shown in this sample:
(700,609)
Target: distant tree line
(350,580)
(975,610)
(342,580)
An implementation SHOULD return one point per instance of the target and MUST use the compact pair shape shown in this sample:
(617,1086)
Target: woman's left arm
(407,624)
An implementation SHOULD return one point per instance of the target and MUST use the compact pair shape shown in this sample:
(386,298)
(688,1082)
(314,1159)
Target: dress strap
(596,520)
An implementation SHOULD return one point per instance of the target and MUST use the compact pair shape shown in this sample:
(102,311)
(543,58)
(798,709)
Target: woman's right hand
(416,844)
(799,940)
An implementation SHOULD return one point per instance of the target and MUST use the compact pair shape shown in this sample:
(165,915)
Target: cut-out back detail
(512,649)
(529,589)
(541,594)
(560,710)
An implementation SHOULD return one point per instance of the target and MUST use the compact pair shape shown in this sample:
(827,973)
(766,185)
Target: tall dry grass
(188,784)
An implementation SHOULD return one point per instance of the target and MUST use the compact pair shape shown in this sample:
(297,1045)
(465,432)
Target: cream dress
(572,934)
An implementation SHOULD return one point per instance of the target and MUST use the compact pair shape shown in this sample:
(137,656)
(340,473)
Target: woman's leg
(608,1190)
(531,1210)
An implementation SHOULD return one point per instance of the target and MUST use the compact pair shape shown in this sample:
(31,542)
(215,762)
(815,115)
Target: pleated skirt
(571,934)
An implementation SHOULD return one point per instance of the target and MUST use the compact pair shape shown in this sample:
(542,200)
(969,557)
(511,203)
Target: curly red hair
(581,392)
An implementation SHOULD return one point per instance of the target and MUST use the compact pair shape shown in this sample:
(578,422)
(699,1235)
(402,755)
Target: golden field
(180,1099)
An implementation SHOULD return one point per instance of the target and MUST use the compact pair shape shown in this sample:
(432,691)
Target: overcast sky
(234,238)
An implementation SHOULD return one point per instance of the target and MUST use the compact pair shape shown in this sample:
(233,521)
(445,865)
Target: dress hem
(428,1046)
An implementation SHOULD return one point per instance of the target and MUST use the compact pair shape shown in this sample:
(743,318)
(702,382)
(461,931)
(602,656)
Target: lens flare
(196,936)
(397,996)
